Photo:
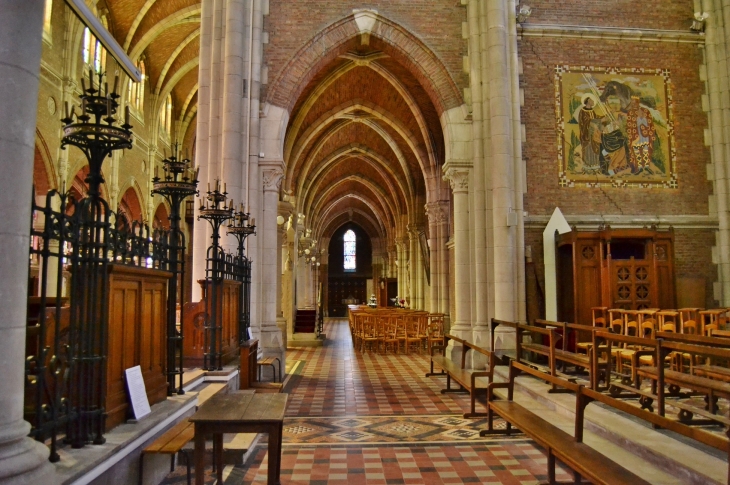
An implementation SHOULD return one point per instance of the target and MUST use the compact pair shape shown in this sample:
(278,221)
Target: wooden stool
(269,361)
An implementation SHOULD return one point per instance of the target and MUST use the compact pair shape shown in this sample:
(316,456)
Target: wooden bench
(705,369)
(466,378)
(710,387)
(581,458)
(170,443)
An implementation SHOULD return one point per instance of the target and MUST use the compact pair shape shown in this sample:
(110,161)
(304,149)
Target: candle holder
(94,130)
(242,226)
(178,182)
(215,209)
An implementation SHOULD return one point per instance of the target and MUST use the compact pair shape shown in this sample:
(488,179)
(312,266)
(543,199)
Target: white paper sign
(137,392)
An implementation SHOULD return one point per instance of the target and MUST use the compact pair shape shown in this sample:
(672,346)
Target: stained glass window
(349,250)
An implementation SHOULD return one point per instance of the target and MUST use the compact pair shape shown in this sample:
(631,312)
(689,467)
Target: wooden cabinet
(137,335)
(631,269)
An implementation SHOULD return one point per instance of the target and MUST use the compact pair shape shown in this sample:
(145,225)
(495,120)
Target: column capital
(437,211)
(271,177)
(458,177)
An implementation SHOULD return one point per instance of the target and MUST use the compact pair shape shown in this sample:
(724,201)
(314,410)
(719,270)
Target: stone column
(718,87)
(459,178)
(442,238)
(482,179)
(201,235)
(271,340)
(280,253)
(431,213)
(413,252)
(500,156)
(231,107)
(22,460)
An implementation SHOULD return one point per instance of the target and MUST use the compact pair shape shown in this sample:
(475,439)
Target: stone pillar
(231,107)
(22,460)
(433,212)
(459,178)
(280,253)
(501,157)
(416,304)
(271,340)
(718,87)
(201,235)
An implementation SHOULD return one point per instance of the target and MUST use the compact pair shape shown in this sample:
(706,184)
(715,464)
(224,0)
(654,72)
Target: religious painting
(615,127)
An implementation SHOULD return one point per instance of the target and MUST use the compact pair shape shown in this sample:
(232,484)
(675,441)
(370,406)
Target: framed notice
(137,392)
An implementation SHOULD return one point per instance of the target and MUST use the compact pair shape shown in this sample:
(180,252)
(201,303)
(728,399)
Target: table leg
(275,439)
(199,456)
(218,439)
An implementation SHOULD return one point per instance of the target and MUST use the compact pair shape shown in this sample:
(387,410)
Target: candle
(126,115)
(253,221)
(83,106)
(91,78)
(66,105)
(108,107)
(106,88)
(208,187)
(157,172)
(224,187)
(83,85)
(116,82)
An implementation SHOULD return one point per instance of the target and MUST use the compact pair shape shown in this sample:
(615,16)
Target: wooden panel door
(632,285)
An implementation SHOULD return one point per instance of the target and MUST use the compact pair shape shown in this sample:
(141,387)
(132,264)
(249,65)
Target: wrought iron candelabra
(178,182)
(242,226)
(216,209)
(95,132)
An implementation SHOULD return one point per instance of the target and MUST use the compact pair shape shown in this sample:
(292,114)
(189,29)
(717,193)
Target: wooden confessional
(631,269)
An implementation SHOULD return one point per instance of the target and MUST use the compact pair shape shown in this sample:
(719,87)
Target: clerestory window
(350,249)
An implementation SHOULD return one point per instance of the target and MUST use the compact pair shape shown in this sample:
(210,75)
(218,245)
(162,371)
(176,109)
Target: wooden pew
(702,368)
(466,378)
(710,387)
(582,459)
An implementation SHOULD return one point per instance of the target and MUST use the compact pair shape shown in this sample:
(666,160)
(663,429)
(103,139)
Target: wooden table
(239,413)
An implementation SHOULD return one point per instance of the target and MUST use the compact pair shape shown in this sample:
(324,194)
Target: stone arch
(398,42)
(130,204)
(161,219)
(44,173)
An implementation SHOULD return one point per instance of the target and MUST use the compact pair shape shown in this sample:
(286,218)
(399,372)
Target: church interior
(382,242)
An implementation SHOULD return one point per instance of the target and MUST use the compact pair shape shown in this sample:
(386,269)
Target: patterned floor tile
(364,418)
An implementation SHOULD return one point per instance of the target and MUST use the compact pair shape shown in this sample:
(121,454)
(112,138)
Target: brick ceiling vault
(166,34)
(363,139)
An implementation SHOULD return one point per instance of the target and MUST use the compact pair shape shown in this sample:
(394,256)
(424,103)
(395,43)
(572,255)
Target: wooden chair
(616,321)
(390,333)
(599,317)
(435,332)
(631,329)
(665,318)
(689,320)
(412,337)
(714,318)
(369,333)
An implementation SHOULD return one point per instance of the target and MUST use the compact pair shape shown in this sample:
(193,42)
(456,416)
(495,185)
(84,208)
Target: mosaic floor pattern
(364,418)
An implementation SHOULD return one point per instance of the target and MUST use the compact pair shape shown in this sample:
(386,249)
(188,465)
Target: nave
(365,418)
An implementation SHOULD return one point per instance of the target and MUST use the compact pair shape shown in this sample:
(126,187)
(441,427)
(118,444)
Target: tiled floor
(363,418)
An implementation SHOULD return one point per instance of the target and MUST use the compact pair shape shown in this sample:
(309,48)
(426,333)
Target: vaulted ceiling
(362,137)
(167,34)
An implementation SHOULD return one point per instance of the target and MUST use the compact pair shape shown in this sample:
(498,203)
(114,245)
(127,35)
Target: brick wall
(647,14)
(292,24)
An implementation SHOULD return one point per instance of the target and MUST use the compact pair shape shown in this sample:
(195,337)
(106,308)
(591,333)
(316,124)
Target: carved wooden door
(632,284)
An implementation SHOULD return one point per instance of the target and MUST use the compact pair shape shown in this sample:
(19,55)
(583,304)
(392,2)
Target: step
(658,456)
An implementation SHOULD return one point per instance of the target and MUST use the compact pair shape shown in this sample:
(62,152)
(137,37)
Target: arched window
(135,92)
(350,248)
(47,12)
(166,116)
(94,53)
